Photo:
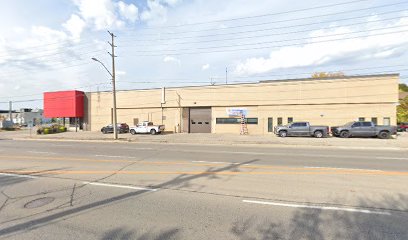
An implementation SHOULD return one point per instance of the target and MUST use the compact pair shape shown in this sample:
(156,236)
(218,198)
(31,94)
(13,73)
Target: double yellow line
(286,170)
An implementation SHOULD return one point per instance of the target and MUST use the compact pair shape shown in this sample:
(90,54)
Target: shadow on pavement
(37,223)
(121,234)
(322,224)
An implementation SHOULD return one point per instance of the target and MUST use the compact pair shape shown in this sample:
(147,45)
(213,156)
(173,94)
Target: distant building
(28,116)
(25,116)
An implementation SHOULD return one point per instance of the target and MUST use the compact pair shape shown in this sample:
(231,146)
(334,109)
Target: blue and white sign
(237,112)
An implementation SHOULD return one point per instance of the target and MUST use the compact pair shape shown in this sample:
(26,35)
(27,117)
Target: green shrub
(46,131)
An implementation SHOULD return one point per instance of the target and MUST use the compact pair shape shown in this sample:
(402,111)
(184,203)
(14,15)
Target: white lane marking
(392,158)
(110,156)
(63,145)
(127,148)
(214,162)
(290,154)
(38,152)
(17,175)
(352,169)
(119,186)
(359,210)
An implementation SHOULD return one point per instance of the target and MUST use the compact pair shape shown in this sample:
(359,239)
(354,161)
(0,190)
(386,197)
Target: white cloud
(155,14)
(19,30)
(100,13)
(121,73)
(169,59)
(75,25)
(205,67)
(315,52)
(128,11)
(171,2)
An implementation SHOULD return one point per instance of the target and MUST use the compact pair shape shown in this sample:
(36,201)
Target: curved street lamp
(115,130)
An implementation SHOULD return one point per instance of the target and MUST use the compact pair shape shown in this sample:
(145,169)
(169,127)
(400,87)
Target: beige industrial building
(210,109)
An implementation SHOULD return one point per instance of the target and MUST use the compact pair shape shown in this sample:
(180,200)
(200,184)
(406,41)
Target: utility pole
(180,113)
(115,119)
(11,111)
(226,75)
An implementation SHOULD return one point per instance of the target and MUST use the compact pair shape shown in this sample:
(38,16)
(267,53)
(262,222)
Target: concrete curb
(218,143)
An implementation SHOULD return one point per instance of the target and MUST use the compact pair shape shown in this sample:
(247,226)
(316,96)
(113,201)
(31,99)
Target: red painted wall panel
(64,104)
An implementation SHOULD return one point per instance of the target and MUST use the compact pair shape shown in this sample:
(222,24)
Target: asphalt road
(83,190)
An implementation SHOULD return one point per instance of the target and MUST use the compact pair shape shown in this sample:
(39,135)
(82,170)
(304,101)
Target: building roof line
(264,81)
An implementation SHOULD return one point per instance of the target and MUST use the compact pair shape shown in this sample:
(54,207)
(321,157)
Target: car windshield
(349,124)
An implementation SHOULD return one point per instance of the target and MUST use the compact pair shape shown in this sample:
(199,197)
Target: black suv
(121,128)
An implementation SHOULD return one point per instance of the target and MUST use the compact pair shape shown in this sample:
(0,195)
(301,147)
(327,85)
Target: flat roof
(265,81)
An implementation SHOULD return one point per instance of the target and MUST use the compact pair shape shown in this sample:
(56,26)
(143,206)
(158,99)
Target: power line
(252,31)
(262,15)
(288,20)
(278,41)
(265,47)
(59,67)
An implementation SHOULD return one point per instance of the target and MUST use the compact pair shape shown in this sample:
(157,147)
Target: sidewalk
(399,143)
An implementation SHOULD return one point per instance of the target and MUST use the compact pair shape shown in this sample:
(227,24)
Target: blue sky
(47,45)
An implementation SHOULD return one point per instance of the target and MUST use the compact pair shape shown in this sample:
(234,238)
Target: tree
(403,87)
(327,74)
(402,110)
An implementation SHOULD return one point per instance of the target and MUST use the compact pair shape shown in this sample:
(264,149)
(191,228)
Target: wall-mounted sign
(237,112)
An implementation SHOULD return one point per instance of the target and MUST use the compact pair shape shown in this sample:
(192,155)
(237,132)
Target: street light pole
(115,119)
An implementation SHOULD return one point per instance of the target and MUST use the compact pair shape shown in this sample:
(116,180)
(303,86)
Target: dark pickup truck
(302,129)
(363,129)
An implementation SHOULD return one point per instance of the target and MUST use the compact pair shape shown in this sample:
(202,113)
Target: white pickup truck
(146,127)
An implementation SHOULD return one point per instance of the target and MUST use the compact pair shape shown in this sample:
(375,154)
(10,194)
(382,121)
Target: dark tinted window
(374,120)
(357,124)
(270,124)
(290,119)
(236,120)
(280,121)
(366,124)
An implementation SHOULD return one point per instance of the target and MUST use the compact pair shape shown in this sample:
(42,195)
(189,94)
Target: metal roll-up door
(200,120)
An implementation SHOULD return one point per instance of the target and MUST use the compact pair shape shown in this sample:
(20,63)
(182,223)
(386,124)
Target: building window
(387,121)
(235,120)
(251,120)
(280,122)
(290,119)
(374,120)
(361,119)
(270,124)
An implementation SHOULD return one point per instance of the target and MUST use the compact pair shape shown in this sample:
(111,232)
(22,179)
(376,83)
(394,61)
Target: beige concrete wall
(330,115)
(338,100)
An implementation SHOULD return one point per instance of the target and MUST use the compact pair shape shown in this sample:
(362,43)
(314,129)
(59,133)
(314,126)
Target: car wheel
(384,135)
(133,132)
(345,134)
(318,134)
(283,134)
(153,132)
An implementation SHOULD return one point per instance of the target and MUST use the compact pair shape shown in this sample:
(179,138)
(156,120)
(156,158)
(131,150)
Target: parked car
(121,128)
(302,129)
(147,127)
(363,129)
(402,127)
